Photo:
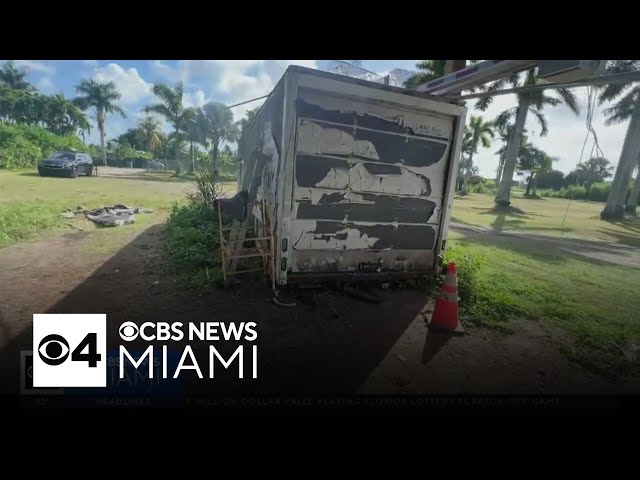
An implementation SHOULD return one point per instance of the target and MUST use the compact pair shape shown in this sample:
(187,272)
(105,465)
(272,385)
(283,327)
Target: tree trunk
(499,173)
(214,160)
(465,175)
(193,161)
(454,65)
(534,185)
(614,209)
(526,194)
(635,194)
(102,145)
(511,156)
(177,155)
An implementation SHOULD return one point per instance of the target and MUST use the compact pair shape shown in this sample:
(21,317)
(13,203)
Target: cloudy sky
(233,81)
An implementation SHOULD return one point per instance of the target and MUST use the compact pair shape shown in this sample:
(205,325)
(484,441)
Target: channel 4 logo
(69,350)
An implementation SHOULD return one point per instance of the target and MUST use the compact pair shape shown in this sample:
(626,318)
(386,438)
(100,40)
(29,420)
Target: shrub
(18,152)
(192,237)
(22,146)
(599,192)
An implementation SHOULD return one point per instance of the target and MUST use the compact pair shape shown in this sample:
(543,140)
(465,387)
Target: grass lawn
(594,306)
(545,217)
(31,205)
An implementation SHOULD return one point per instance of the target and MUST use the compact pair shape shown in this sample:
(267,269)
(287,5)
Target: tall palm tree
(102,96)
(634,196)
(15,77)
(627,108)
(217,122)
(149,129)
(528,102)
(480,133)
(197,135)
(505,135)
(172,108)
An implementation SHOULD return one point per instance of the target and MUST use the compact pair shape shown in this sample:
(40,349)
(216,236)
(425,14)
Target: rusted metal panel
(326,204)
(321,234)
(333,261)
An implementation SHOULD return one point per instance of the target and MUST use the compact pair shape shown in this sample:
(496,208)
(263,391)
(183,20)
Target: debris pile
(111,216)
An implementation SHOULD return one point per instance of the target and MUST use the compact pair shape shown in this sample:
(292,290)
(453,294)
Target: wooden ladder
(232,241)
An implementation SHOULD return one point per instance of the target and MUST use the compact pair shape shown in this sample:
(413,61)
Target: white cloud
(166,72)
(227,81)
(91,63)
(194,99)
(37,66)
(129,82)
(45,85)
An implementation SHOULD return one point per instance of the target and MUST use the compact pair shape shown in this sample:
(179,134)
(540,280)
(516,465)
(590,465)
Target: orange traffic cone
(445,312)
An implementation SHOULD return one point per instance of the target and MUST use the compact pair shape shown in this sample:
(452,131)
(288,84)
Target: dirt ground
(338,345)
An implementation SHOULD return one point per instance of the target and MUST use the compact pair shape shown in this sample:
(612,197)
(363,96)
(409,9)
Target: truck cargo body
(356,176)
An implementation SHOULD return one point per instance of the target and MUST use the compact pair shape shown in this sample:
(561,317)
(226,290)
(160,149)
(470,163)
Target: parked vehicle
(155,165)
(356,177)
(66,163)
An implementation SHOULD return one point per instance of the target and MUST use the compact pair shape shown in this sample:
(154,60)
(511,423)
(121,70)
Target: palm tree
(149,129)
(172,108)
(244,122)
(197,135)
(15,77)
(479,133)
(428,70)
(634,196)
(528,102)
(217,122)
(102,96)
(626,108)
(505,135)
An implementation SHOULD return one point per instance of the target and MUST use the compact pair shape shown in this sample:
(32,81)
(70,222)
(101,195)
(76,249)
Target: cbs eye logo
(54,350)
(70,350)
(129,331)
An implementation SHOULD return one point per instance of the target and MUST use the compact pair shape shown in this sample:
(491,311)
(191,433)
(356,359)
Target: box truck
(352,177)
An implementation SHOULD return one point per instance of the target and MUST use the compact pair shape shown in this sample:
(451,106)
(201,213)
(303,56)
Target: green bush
(599,192)
(22,146)
(192,237)
(18,152)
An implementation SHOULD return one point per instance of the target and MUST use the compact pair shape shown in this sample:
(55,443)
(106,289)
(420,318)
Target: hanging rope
(591,105)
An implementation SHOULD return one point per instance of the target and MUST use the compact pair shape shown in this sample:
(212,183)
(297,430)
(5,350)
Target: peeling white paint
(305,238)
(419,122)
(359,179)
(318,140)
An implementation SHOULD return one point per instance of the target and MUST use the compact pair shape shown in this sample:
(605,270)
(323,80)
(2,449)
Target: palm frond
(165,94)
(541,120)
(620,112)
(160,109)
(569,99)
(503,120)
